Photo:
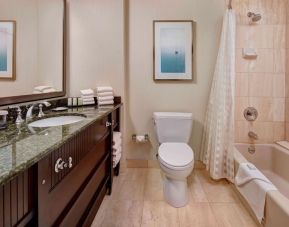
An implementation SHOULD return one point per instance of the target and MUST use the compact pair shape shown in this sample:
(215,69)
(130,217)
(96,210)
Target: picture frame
(7,50)
(173,50)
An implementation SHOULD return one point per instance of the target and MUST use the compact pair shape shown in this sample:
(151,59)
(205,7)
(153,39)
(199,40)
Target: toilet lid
(176,154)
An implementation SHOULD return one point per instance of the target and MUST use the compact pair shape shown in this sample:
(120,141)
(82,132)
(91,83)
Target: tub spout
(253,135)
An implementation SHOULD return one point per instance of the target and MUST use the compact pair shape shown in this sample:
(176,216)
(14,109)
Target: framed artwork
(173,50)
(7,50)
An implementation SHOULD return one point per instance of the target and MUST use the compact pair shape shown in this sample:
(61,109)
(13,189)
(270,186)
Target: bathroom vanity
(57,176)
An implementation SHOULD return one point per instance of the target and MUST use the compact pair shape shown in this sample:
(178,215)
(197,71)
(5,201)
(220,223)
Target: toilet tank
(173,127)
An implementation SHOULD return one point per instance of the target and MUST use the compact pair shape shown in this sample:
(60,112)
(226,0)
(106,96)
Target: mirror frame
(4,101)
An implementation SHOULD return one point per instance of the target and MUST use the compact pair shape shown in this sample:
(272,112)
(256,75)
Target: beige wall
(146,96)
(96,45)
(261,83)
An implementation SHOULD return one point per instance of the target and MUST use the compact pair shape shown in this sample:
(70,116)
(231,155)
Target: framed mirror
(32,50)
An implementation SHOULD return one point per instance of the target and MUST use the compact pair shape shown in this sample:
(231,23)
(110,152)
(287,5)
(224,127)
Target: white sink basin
(56,121)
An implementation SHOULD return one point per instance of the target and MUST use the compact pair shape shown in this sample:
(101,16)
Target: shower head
(254,17)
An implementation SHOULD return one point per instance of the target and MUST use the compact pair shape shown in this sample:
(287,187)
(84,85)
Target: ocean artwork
(173,45)
(7,50)
(173,58)
(3,50)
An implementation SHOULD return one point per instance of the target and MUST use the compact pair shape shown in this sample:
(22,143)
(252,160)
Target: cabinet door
(60,187)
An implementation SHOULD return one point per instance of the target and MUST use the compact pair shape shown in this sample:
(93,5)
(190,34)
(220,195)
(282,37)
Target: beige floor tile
(231,215)
(131,190)
(153,185)
(197,192)
(100,216)
(158,214)
(217,191)
(122,214)
(197,214)
(133,174)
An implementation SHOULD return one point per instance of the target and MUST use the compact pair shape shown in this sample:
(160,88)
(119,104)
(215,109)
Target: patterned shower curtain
(218,137)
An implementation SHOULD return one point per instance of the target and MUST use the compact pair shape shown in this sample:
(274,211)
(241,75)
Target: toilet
(175,156)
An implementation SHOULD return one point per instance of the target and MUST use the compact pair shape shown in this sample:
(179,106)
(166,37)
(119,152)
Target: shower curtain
(218,137)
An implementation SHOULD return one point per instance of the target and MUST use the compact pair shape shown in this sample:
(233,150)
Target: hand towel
(101,103)
(87,99)
(104,94)
(116,144)
(117,135)
(107,98)
(104,89)
(116,151)
(87,92)
(253,185)
(88,102)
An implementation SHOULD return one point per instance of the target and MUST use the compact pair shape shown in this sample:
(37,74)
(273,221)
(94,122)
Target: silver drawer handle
(108,124)
(60,164)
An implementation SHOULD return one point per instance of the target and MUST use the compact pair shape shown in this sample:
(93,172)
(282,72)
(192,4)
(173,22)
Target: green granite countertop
(23,146)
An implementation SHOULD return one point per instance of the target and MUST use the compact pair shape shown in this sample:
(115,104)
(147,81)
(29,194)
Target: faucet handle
(41,114)
(19,119)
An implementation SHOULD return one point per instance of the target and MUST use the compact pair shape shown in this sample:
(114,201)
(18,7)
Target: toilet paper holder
(145,138)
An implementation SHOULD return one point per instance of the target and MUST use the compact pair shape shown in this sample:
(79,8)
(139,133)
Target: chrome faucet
(253,135)
(40,114)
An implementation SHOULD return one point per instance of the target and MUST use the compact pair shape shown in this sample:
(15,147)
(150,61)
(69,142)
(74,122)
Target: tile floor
(137,200)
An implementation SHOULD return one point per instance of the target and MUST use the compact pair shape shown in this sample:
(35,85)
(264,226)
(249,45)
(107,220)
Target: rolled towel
(116,160)
(116,151)
(87,92)
(102,103)
(42,88)
(104,94)
(104,89)
(117,144)
(107,98)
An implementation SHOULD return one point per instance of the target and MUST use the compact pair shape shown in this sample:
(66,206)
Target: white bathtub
(273,161)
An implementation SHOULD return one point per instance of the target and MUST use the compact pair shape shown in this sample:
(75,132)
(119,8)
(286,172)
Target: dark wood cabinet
(66,187)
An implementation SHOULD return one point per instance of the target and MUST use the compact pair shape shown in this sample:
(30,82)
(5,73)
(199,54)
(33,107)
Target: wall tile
(279,85)
(279,131)
(241,131)
(264,130)
(242,88)
(242,65)
(264,107)
(263,63)
(260,85)
(278,109)
(279,60)
(279,36)
(241,104)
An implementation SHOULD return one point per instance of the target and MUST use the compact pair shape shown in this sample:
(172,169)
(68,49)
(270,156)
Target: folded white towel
(117,135)
(104,94)
(42,88)
(87,96)
(87,92)
(102,103)
(116,160)
(88,103)
(106,98)
(104,89)
(116,144)
(116,151)
(87,99)
(253,185)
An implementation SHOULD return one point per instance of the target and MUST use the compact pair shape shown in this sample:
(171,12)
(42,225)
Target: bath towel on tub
(253,185)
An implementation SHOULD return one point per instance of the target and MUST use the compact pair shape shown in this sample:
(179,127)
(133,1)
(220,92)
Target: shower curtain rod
(230,4)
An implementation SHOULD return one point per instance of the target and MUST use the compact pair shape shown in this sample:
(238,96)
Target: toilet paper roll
(140,139)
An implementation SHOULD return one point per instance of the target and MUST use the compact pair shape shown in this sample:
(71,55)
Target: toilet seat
(176,156)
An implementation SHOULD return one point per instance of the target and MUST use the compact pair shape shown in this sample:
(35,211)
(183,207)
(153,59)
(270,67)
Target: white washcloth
(101,103)
(42,88)
(88,99)
(104,89)
(104,94)
(253,185)
(116,160)
(106,98)
(87,92)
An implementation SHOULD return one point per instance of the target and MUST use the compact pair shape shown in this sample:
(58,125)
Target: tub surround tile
(242,84)
(279,86)
(278,109)
(279,131)
(264,107)
(279,60)
(242,65)
(241,104)
(279,34)
(260,85)
(264,63)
